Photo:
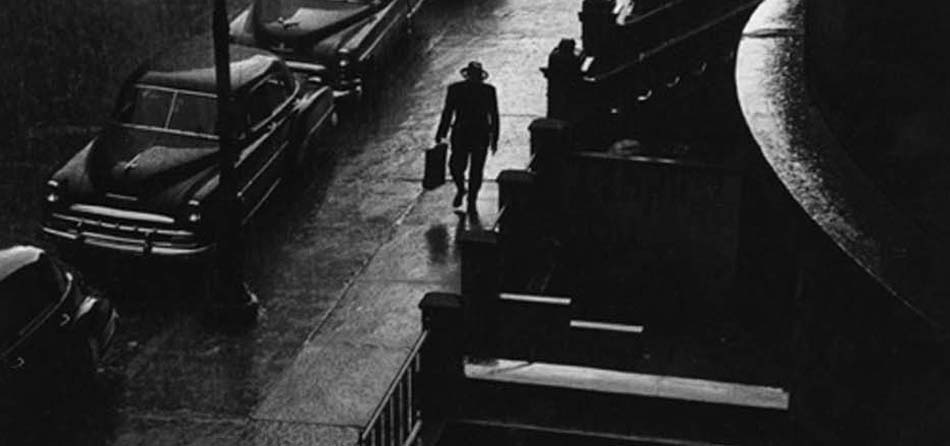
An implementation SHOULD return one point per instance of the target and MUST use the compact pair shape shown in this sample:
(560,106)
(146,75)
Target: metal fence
(397,421)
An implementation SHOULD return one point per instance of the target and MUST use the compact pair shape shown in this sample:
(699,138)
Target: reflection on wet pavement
(356,224)
(437,238)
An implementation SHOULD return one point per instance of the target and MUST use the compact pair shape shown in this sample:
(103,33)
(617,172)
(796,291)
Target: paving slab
(180,430)
(335,383)
(276,433)
(365,201)
(379,313)
(435,207)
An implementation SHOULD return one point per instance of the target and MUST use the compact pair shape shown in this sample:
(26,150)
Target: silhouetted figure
(471,109)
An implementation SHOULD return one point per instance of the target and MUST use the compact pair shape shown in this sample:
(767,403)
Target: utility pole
(232,303)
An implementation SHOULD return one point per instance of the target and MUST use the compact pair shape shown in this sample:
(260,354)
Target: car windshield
(173,110)
(24,295)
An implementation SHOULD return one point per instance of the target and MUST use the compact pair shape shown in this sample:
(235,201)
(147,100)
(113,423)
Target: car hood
(300,22)
(153,172)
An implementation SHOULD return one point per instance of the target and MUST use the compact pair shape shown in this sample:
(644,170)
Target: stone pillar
(441,318)
(551,143)
(514,189)
(549,138)
(480,265)
(442,359)
(519,226)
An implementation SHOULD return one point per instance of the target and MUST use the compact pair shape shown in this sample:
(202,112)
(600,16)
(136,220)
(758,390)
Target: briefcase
(434,175)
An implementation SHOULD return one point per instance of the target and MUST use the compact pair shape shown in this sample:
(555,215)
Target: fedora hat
(474,70)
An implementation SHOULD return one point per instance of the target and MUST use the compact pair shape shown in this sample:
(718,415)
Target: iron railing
(397,421)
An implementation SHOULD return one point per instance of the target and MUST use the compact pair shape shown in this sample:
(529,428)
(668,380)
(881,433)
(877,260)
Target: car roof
(190,66)
(15,258)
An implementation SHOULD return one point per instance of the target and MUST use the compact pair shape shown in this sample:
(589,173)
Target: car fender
(96,320)
(73,176)
(328,48)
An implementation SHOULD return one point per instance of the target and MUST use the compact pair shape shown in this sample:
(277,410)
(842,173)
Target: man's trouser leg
(457,163)
(475,173)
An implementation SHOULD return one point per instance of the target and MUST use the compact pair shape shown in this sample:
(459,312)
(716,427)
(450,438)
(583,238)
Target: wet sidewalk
(344,262)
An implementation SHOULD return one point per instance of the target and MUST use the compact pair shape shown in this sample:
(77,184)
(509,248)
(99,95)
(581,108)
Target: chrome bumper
(342,90)
(124,231)
(350,90)
(126,245)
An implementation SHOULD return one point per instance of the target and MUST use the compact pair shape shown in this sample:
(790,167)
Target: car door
(267,108)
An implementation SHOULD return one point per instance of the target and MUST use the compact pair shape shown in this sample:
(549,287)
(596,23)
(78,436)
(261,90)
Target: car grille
(120,226)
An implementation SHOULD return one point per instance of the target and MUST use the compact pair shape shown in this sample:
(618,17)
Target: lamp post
(232,303)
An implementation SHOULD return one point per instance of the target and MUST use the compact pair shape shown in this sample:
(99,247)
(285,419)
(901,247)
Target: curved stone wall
(880,73)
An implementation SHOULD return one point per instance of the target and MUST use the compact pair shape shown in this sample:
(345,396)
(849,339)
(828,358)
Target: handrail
(397,420)
(636,18)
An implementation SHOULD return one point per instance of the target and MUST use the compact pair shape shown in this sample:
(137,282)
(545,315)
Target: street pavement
(339,263)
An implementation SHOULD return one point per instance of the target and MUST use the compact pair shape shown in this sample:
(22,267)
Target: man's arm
(493,116)
(447,110)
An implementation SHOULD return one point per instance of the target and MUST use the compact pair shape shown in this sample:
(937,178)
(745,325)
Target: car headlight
(344,59)
(194,212)
(52,192)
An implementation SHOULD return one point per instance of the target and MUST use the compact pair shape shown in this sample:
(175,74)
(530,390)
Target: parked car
(148,183)
(48,321)
(339,41)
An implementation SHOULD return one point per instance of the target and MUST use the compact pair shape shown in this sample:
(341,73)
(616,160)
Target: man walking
(471,109)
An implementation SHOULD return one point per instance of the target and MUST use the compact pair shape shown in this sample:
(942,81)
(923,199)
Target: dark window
(174,110)
(265,98)
(148,107)
(195,114)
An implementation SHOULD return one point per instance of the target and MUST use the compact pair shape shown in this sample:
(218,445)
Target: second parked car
(147,184)
(340,41)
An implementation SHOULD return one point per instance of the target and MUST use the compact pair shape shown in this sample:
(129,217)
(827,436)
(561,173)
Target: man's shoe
(457,201)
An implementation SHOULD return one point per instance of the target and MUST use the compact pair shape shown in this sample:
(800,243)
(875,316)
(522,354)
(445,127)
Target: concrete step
(633,407)
(543,328)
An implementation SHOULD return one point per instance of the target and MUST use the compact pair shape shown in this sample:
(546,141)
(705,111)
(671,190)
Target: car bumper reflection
(129,246)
